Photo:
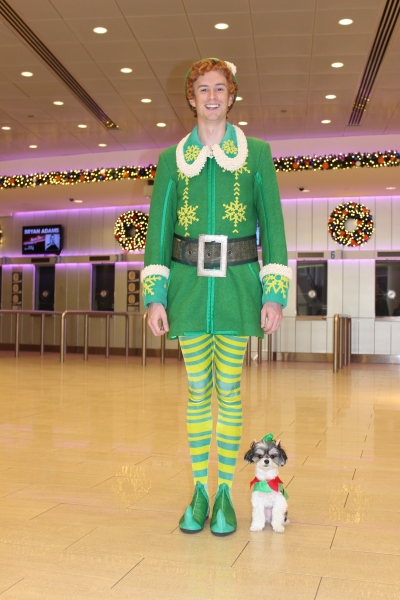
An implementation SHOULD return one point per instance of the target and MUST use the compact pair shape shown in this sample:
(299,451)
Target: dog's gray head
(266,454)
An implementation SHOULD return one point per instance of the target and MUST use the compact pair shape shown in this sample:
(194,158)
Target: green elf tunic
(226,189)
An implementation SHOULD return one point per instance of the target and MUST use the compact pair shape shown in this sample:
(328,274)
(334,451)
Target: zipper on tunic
(211,231)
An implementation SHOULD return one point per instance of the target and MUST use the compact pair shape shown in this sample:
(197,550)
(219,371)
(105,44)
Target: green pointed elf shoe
(223,520)
(197,512)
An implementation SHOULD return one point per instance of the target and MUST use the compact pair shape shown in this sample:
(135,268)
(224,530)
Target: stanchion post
(86,339)
(341,336)
(248,355)
(144,339)
(42,316)
(126,336)
(259,351)
(349,340)
(344,341)
(17,327)
(269,337)
(335,343)
(107,336)
(162,353)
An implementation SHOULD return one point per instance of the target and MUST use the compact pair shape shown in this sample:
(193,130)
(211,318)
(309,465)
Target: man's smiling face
(211,99)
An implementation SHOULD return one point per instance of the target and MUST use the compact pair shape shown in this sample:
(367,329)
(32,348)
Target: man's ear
(230,100)
(192,102)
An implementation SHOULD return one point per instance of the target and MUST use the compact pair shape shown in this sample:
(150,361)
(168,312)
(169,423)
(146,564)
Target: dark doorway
(44,286)
(103,287)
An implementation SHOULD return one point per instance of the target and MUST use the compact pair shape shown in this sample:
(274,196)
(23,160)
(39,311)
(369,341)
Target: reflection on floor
(94,475)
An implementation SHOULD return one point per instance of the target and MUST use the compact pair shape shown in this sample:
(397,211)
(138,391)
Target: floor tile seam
(17,491)
(130,571)
(359,580)
(76,541)
(341,550)
(45,511)
(11,586)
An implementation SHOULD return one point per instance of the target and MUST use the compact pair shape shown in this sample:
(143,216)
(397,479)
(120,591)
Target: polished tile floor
(94,474)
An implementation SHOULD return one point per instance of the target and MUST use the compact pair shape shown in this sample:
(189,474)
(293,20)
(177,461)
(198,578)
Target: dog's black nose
(266,460)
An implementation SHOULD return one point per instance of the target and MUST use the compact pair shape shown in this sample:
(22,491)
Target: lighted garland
(391,158)
(337,221)
(74,177)
(130,230)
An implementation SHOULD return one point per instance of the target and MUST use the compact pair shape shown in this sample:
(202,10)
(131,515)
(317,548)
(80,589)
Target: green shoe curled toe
(223,520)
(197,512)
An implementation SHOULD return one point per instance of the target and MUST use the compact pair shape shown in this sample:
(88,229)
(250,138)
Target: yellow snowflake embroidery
(149,283)
(235,211)
(192,153)
(187,214)
(184,177)
(229,147)
(240,171)
(276,283)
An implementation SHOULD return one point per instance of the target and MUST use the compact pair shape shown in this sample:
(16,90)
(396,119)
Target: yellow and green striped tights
(214,359)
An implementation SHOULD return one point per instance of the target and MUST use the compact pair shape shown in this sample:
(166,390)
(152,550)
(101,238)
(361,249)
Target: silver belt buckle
(219,239)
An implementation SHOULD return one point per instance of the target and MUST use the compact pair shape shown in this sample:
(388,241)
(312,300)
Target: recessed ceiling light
(102,145)
(145,100)
(304,190)
(221,26)
(6,128)
(345,21)
(82,126)
(239,98)
(337,65)
(26,74)
(390,188)
(100,30)
(126,70)
(58,102)
(161,124)
(242,123)
(78,201)
(33,146)
(325,121)
(330,97)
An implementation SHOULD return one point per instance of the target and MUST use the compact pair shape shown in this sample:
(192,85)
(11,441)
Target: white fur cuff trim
(275,269)
(154,270)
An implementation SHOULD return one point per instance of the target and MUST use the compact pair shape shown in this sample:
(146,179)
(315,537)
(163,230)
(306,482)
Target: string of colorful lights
(390,158)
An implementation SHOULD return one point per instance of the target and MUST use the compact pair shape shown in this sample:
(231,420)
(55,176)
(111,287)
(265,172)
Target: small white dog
(269,497)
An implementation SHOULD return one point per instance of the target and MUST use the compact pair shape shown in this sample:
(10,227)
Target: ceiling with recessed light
(284,53)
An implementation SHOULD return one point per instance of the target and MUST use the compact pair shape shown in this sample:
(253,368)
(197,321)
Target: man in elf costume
(202,282)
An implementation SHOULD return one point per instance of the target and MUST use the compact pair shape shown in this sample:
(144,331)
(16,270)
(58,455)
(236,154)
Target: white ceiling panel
(284,5)
(173,49)
(242,47)
(358,44)
(123,51)
(213,7)
(35,10)
(283,65)
(160,27)
(117,30)
(283,23)
(130,8)
(364,20)
(351,64)
(101,9)
(296,45)
(283,82)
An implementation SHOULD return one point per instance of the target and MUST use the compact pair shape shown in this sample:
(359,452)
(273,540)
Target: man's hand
(271,317)
(156,313)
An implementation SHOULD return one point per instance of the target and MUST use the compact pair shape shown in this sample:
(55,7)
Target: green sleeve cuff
(154,289)
(275,289)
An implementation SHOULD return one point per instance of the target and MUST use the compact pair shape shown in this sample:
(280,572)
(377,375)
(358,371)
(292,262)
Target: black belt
(240,251)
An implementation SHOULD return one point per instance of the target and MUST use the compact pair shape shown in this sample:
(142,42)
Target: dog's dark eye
(273,455)
(259,455)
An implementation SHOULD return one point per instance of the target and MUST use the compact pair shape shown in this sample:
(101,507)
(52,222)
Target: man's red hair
(205,66)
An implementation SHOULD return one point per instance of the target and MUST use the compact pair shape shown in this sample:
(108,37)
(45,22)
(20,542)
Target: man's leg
(198,355)
(229,353)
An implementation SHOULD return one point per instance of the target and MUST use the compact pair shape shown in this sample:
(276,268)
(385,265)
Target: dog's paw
(278,528)
(256,527)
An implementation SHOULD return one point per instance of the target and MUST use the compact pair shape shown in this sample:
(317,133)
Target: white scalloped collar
(191,155)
